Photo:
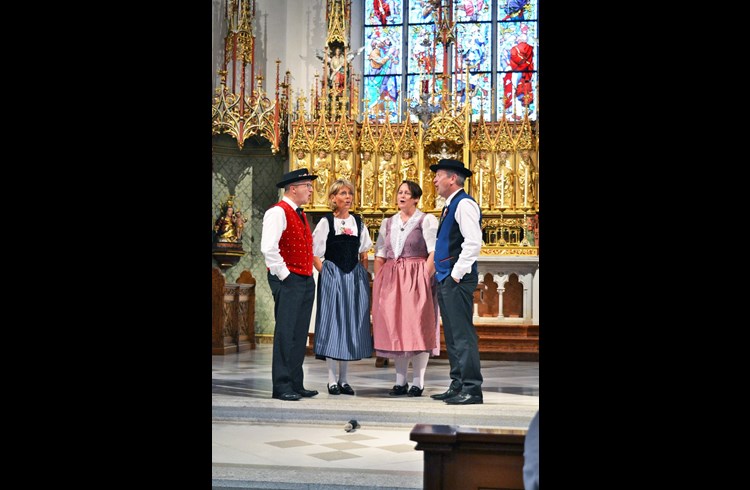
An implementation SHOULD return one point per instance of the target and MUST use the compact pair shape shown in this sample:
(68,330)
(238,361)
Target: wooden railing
(470,458)
(232,313)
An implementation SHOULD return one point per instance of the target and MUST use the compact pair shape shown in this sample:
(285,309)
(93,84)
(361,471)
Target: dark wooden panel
(470,458)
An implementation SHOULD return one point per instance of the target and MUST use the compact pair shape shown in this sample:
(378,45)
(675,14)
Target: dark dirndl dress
(342,322)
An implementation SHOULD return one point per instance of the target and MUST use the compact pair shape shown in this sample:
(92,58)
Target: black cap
(294,176)
(448,164)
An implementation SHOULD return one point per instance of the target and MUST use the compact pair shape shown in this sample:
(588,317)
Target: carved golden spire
(338,15)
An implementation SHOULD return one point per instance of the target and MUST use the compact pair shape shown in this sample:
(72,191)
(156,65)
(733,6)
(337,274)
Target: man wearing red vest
(286,244)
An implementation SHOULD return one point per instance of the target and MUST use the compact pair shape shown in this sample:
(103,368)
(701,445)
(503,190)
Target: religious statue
(527,180)
(482,177)
(504,181)
(300,163)
(230,223)
(336,75)
(224,227)
(408,166)
(344,166)
(368,180)
(427,203)
(320,168)
(386,178)
(239,224)
(227,235)
(531,230)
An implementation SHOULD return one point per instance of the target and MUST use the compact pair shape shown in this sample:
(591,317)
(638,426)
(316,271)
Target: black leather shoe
(465,399)
(414,391)
(287,397)
(346,389)
(307,393)
(334,389)
(399,390)
(448,394)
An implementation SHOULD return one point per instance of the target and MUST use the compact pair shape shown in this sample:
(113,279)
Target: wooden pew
(232,313)
(470,458)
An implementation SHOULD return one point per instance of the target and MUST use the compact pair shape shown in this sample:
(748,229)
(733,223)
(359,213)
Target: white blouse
(400,230)
(320,234)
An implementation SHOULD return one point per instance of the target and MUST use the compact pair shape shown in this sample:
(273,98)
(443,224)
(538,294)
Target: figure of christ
(321,169)
(504,181)
(368,181)
(482,177)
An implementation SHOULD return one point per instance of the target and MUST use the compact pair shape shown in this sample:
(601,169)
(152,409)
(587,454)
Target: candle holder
(525,241)
(502,241)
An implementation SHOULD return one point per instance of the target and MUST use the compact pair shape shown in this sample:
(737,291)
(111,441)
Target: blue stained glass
(516,10)
(513,74)
(414,88)
(480,90)
(421,11)
(383,95)
(472,10)
(474,47)
(421,58)
(382,50)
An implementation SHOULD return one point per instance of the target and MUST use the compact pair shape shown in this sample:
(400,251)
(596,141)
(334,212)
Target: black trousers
(456,301)
(293,300)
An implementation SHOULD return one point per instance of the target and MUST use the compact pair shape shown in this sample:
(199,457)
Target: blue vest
(449,240)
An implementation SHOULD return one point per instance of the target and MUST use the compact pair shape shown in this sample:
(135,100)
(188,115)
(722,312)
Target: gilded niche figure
(386,178)
(229,225)
(482,177)
(344,166)
(408,167)
(531,230)
(428,191)
(239,224)
(336,75)
(368,180)
(320,168)
(301,163)
(527,179)
(504,181)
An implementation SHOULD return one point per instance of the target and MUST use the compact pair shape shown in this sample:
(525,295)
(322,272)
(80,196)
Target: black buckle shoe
(414,391)
(448,394)
(307,393)
(465,399)
(399,390)
(334,389)
(346,389)
(287,397)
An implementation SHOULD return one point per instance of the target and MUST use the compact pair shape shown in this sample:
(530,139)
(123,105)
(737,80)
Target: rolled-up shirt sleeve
(467,217)
(429,232)
(320,238)
(365,242)
(380,243)
(274,224)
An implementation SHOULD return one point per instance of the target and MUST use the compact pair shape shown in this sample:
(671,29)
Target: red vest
(295,245)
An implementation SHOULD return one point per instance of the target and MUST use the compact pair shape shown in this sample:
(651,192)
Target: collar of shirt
(450,198)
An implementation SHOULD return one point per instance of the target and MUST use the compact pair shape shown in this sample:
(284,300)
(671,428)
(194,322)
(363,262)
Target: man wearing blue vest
(459,240)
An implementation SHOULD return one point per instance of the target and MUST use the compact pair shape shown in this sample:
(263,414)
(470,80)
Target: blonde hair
(336,187)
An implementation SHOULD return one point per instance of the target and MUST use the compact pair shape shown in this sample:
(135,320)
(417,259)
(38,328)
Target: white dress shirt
(467,217)
(274,224)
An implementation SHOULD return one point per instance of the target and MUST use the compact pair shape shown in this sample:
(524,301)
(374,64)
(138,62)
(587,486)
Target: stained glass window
(495,40)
